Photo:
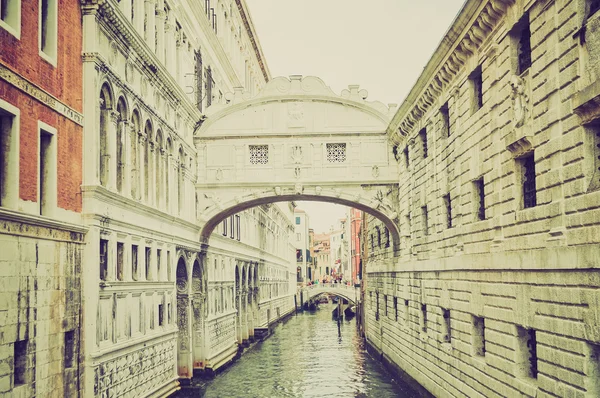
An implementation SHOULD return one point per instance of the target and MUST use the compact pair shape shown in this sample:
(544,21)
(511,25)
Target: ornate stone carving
(297,172)
(298,188)
(519,100)
(295,114)
(318,190)
(277,191)
(296,154)
(375,171)
(219,174)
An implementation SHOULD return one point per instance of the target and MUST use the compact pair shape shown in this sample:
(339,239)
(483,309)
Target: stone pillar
(111,137)
(181,45)
(126,8)
(171,45)
(134,159)
(160,30)
(150,31)
(150,181)
(127,166)
(138,16)
(141,165)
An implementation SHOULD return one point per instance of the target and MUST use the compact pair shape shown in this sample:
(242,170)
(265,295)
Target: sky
(382,45)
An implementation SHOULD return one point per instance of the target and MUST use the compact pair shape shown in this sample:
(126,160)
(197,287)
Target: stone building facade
(159,305)
(41,237)
(495,290)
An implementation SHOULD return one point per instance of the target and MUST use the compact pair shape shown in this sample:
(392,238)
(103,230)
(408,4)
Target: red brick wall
(65,82)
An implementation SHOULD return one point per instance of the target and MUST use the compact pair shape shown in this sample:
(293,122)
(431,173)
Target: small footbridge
(349,292)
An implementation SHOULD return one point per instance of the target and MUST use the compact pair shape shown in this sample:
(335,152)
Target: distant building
(355,217)
(302,244)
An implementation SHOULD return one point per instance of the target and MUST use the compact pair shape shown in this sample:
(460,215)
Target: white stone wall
(521,271)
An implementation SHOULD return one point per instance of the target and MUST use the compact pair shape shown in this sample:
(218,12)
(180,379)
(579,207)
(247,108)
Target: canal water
(307,356)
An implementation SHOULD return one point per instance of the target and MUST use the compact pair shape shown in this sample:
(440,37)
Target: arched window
(121,131)
(105,109)
(135,156)
(378,236)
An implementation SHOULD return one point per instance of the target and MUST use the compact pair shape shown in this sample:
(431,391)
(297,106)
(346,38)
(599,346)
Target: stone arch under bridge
(296,140)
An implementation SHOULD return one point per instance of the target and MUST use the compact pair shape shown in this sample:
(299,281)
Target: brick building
(495,290)
(40,202)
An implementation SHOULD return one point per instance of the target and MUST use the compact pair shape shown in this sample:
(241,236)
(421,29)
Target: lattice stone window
(336,153)
(259,154)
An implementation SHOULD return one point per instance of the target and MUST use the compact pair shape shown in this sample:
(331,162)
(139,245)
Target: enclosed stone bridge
(296,140)
(349,292)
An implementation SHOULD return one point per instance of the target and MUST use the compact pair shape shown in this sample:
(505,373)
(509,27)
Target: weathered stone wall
(519,287)
(40,308)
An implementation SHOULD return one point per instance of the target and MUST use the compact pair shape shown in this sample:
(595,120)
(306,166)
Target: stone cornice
(465,37)
(39,221)
(242,7)
(156,72)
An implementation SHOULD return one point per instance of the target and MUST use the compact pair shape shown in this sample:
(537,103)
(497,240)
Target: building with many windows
(304,271)
(494,290)
(41,236)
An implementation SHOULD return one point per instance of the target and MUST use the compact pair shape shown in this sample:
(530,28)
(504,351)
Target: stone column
(160,30)
(181,45)
(138,16)
(150,31)
(134,158)
(126,8)
(141,166)
(150,182)
(171,45)
(111,138)
(127,166)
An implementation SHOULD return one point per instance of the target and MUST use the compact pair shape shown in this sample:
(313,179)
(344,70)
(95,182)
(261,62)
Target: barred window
(521,39)
(448,204)
(477,85)
(423,135)
(336,153)
(529,190)
(480,198)
(425,220)
(445,112)
(259,154)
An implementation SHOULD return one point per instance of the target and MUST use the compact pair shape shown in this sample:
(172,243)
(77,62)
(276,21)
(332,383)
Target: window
(225,227)
(376,306)
(20,362)
(372,243)
(448,205)
(231,227)
(160,315)
(425,220)
(447,330)
(297,220)
(594,133)
(336,153)
(527,352)
(209,86)
(594,7)
(593,369)
(406,312)
(528,181)
(479,198)
(103,259)
(521,37)
(387,237)
(10,16)
(148,257)
(198,72)
(158,261)
(478,336)
(48,30)
(423,136)
(385,301)
(259,154)
(406,157)
(169,313)
(9,155)
(378,236)
(396,308)
(476,79)
(47,192)
(445,113)
(120,255)
(238,227)
(424,317)
(134,262)
(69,347)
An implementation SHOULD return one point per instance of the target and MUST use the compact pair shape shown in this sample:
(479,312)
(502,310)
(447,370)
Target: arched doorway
(199,308)
(184,353)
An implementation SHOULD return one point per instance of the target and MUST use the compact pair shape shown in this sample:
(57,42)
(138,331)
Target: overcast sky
(382,45)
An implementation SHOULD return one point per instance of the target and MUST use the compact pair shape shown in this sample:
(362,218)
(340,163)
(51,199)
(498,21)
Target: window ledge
(48,58)
(16,32)
(585,103)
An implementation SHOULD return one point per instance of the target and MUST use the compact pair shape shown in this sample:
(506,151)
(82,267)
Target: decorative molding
(39,94)
(520,146)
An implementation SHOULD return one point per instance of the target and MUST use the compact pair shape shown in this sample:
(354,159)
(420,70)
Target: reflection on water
(308,356)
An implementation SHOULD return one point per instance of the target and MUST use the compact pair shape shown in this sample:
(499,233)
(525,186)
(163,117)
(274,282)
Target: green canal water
(308,356)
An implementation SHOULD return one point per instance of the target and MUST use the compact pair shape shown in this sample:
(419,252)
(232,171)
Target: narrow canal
(308,356)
